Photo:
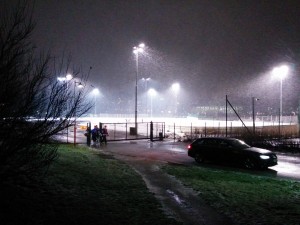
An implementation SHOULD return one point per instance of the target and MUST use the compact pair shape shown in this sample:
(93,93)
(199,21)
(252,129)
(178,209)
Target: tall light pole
(95,92)
(280,73)
(79,85)
(175,88)
(136,51)
(66,79)
(152,93)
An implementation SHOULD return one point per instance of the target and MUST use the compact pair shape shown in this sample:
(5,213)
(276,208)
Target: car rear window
(211,142)
(238,144)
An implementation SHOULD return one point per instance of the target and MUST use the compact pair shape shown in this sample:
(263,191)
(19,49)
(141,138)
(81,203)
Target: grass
(82,187)
(247,199)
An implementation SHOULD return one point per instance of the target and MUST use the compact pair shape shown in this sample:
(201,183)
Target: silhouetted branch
(34,105)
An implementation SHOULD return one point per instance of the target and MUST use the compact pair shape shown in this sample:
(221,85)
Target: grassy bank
(82,187)
(248,199)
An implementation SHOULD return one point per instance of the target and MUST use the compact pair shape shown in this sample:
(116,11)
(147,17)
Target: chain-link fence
(188,133)
(116,132)
(159,130)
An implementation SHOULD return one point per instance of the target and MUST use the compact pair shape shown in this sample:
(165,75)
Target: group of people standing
(99,135)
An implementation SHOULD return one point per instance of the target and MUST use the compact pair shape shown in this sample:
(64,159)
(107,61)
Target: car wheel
(249,163)
(199,158)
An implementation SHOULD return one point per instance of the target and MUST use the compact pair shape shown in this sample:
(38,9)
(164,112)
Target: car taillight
(189,147)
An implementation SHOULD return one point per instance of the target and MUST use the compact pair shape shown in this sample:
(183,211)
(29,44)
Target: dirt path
(178,201)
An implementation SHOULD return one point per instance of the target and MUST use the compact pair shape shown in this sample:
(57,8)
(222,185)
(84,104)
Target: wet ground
(178,201)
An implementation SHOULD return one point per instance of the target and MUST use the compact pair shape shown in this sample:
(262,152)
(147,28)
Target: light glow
(61,79)
(69,77)
(139,49)
(280,72)
(146,79)
(152,92)
(95,91)
(264,157)
(80,85)
(175,87)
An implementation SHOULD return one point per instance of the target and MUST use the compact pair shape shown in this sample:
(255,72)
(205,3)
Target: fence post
(147,130)
(151,131)
(126,130)
(88,134)
(161,133)
(115,130)
(174,132)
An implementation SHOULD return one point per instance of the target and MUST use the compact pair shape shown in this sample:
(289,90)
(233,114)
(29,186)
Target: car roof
(217,138)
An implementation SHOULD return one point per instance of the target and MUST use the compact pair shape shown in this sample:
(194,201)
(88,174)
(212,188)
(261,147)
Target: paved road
(176,152)
(288,166)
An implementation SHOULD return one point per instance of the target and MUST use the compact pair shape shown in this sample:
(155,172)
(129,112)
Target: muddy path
(177,200)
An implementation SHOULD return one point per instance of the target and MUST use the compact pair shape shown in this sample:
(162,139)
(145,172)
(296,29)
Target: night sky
(212,48)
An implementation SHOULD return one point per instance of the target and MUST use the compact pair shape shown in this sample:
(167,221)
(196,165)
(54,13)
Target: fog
(211,48)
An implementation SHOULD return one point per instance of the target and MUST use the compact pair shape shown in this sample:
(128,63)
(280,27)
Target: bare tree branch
(34,105)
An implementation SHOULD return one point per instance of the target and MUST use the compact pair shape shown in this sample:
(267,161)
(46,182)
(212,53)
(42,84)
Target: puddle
(180,201)
(150,145)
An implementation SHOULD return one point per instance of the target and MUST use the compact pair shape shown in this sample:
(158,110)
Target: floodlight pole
(136,51)
(280,109)
(226,115)
(136,86)
(280,72)
(75,105)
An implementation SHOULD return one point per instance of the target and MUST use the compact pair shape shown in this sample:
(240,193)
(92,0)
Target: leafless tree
(34,105)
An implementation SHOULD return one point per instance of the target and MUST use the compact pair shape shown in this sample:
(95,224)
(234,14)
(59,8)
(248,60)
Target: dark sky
(211,47)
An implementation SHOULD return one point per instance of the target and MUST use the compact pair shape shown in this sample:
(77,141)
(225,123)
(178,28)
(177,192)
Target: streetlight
(79,85)
(175,88)
(280,72)
(95,92)
(66,79)
(146,80)
(152,93)
(136,51)
(69,77)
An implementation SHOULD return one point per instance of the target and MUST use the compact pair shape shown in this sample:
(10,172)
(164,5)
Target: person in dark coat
(104,134)
(95,134)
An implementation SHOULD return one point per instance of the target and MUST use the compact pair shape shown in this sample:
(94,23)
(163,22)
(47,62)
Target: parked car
(231,150)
